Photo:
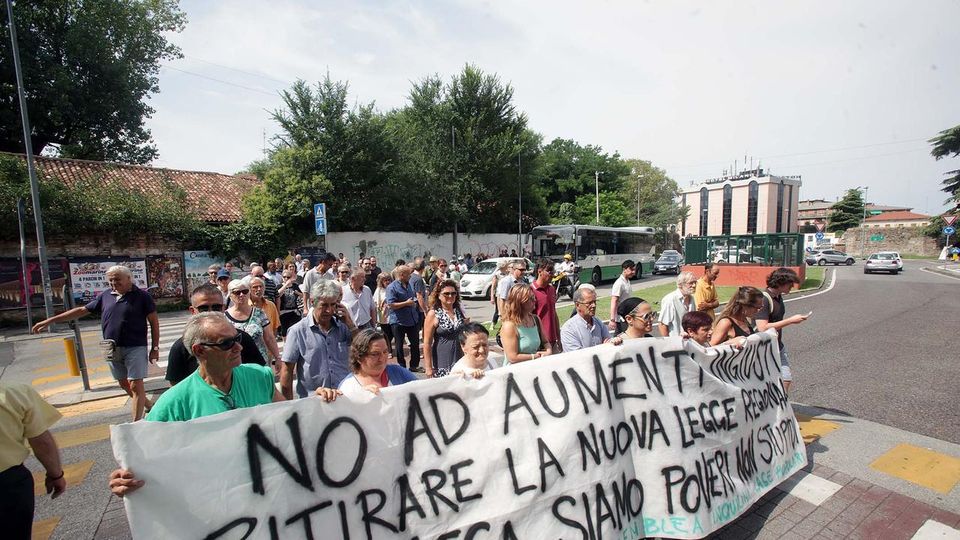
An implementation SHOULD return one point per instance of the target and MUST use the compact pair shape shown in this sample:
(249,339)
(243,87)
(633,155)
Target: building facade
(752,202)
(896,219)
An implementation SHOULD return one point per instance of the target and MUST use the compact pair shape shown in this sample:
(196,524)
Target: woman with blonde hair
(521,336)
(736,319)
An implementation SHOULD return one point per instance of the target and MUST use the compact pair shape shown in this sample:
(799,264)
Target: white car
(476,281)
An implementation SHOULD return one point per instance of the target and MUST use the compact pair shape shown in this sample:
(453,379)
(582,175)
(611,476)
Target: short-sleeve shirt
(23,415)
(419,288)
(194,398)
(396,375)
(672,310)
(503,286)
(773,313)
(124,317)
(358,304)
(576,335)
(462,366)
(322,358)
(547,311)
(396,293)
(311,278)
(622,290)
(706,293)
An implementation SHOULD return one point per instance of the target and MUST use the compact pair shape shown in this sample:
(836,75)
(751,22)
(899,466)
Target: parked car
(476,281)
(883,261)
(830,256)
(668,263)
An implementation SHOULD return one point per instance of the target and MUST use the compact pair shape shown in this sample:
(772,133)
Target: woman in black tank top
(736,320)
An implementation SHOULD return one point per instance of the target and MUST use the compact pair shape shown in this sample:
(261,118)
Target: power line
(221,81)
(250,73)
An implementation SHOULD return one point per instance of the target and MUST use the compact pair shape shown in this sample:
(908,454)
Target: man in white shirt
(621,291)
(676,304)
(323,270)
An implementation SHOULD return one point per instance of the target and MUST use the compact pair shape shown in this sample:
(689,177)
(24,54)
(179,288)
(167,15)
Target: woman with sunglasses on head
(521,336)
(441,347)
(252,320)
(639,317)
(736,320)
(369,368)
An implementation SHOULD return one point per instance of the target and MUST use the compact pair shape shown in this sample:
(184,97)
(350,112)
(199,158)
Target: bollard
(70,348)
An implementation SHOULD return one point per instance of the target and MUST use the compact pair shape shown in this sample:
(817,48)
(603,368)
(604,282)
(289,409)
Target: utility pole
(31,168)
(519,207)
(863,225)
(21,217)
(639,176)
(596,180)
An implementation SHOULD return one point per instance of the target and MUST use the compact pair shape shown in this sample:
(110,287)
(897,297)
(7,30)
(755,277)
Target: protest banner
(195,264)
(88,278)
(657,437)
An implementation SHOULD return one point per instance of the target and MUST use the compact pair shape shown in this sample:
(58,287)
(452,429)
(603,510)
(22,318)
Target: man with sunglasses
(546,309)
(180,363)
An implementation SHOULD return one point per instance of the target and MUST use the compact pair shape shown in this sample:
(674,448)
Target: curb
(955,274)
(66,399)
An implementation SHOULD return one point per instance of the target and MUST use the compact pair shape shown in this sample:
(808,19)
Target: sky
(844,94)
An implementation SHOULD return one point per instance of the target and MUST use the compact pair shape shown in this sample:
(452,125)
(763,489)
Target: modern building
(751,202)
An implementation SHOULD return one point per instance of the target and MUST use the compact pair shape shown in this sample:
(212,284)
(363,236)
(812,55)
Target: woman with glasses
(368,363)
(736,319)
(257,289)
(441,348)
(252,320)
(343,276)
(384,279)
(521,336)
(639,317)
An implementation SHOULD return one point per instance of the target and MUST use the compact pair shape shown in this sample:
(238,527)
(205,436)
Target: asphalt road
(883,348)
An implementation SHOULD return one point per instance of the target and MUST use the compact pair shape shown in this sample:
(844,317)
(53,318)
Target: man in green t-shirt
(220,383)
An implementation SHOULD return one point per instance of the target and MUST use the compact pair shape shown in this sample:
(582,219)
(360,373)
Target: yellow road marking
(54,378)
(922,466)
(93,406)
(75,386)
(91,361)
(84,435)
(74,473)
(43,529)
(813,428)
(88,333)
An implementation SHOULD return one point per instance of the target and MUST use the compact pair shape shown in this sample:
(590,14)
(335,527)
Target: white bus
(597,251)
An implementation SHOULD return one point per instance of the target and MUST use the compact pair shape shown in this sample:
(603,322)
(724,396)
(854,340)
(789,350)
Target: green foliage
(88,66)
(655,192)
(847,212)
(947,144)
(93,206)
(567,171)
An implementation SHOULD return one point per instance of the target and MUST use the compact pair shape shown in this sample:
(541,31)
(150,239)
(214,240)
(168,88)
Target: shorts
(131,363)
(785,373)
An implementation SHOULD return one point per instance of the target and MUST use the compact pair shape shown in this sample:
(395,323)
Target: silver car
(884,261)
(830,256)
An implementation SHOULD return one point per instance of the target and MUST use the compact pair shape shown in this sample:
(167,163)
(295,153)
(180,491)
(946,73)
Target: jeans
(414,338)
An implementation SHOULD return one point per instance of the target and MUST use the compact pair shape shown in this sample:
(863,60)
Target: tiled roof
(898,216)
(871,206)
(215,197)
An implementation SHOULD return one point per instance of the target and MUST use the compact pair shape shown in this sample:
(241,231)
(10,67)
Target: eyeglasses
(226,344)
(228,401)
(245,291)
(212,272)
(211,307)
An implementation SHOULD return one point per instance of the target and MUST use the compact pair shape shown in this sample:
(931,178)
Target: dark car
(668,263)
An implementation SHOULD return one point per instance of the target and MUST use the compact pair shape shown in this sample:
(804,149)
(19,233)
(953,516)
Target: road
(878,347)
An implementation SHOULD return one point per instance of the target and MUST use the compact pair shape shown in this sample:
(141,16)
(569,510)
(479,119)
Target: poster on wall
(164,276)
(12,285)
(195,264)
(89,278)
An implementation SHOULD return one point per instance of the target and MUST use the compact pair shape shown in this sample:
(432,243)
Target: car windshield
(668,259)
(883,256)
(485,267)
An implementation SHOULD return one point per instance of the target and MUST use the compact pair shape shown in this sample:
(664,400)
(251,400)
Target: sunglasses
(449,294)
(245,291)
(211,307)
(226,344)
(228,401)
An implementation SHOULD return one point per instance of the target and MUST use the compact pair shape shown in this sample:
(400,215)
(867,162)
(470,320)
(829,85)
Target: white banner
(653,438)
(88,279)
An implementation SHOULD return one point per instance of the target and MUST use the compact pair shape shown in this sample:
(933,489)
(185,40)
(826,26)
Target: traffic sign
(876,212)
(820,226)
(949,230)
(818,236)
(320,218)
(876,238)
(949,220)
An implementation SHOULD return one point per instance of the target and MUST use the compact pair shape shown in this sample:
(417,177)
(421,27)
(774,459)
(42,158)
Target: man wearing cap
(621,291)
(126,310)
(223,279)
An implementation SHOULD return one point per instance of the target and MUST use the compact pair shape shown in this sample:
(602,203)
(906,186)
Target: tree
(654,192)
(947,144)
(88,66)
(567,170)
(847,212)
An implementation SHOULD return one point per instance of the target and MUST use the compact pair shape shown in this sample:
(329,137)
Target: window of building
(753,195)
(727,208)
(704,205)
(780,206)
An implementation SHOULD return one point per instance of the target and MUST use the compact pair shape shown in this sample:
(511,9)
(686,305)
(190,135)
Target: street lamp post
(596,180)
(863,223)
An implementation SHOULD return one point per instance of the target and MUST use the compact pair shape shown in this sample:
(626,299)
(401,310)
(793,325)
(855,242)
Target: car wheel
(822,262)
(850,262)
(865,271)
(639,274)
(596,276)
(486,292)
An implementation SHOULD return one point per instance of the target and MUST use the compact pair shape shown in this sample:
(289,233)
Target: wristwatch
(155,349)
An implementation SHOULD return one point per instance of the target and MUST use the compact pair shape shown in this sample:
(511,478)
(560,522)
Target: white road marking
(809,487)
(833,281)
(934,530)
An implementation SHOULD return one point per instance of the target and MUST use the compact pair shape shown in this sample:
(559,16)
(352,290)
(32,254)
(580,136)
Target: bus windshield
(553,242)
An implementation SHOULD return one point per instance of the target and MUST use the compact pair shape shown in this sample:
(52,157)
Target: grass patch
(916,257)
(814,277)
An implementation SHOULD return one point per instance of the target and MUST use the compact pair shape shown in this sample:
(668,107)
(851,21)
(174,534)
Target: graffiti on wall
(391,251)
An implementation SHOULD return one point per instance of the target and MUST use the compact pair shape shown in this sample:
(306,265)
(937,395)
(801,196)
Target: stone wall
(905,240)
(90,245)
